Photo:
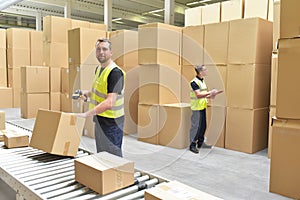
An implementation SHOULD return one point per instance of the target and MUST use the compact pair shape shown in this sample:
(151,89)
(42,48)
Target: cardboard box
(148,123)
(289,18)
(36,40)
(55,29)
(192,45)
(274,71)
(131,101)
(216,43)
(36,57)
(276,24)
(246,129)
(17,38)
(66,102)
(6,97)
(232,10)
(252,81)
(55,54)
(159,84)
(216,122)
(3,77)
(103,172)
(31,103)
(13,139)
(2,132)
(284,167)
(193,16)
(82,45)
(217,78)
(272,113)
(2,120)
(176,191)
(65,85)
(271,10)
(55,79)
(75,23)
(256,8)
(250,41)
(2,57)
(287,100)
(53,138)
(54,101)
(81,77)
(174,125)
(18,57)
(98,26)
(14,77)
(187,74)
(153,46)
(34,79)
(2,38)
(17,97)
(125,47)
(211,13)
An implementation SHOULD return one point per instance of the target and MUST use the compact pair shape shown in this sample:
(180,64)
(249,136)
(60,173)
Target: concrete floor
(224,173)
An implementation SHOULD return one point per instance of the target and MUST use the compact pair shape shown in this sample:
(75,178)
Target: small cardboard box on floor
(104,172)
(285,163)
(176,191)
(57,132)
(13,139)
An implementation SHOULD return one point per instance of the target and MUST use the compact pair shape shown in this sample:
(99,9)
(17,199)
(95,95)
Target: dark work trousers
(109,138)
(198,127)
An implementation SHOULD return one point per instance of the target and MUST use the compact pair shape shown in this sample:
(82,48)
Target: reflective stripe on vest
(198,103)
(99,93)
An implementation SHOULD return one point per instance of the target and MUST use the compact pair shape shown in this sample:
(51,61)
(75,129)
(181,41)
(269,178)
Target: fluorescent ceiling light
(197,2)
(117,19)
(156,11)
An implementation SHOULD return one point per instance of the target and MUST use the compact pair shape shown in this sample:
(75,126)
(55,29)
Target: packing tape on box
(72,120)
(66,148)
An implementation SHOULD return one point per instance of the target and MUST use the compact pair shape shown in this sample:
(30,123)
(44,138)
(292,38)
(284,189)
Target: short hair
(104,40)
(199,68)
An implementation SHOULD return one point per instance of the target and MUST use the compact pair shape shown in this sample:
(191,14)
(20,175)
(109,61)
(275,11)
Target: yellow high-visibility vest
(198,103)
(99,93)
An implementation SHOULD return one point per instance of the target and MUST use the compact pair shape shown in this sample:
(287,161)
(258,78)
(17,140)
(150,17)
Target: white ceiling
(132,12)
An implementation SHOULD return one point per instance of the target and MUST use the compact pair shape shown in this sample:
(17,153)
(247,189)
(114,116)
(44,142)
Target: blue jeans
(198,127)
(109,138)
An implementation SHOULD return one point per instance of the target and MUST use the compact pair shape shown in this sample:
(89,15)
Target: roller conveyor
(34,174)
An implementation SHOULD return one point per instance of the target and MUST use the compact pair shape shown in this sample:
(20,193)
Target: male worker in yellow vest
(198,100)
(107,101)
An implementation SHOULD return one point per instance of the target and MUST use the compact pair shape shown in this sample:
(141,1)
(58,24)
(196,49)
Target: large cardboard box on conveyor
(2,120)
(57,132)
(176,191)
(104,172)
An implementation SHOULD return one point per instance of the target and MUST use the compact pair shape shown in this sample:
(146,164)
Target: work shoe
(204,146)
(194,149)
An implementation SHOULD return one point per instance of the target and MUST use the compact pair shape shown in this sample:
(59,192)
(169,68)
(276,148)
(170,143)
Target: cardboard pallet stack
(162,118)
(5,92)
(125,55)
(35,90)
(248,84)
(285,163)
(229,10)
(18,54)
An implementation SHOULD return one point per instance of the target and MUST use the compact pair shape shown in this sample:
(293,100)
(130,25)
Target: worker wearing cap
(198,100)
(107,101)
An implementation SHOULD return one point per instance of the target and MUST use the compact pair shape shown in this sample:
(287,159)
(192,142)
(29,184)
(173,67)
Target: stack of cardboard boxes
(5,92)
(35,90)
(125,55)
(248,84)
(284,171)
(229,10)
(162,118)
(18,54)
